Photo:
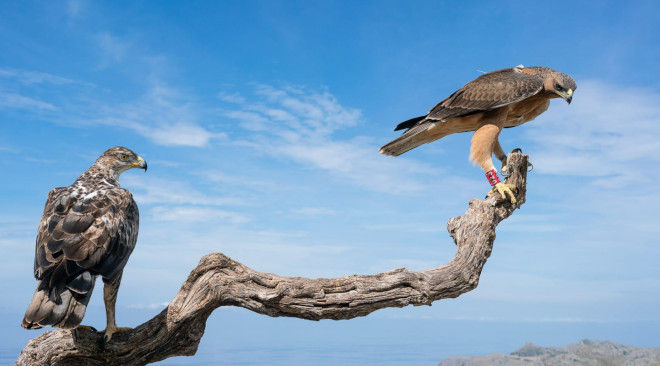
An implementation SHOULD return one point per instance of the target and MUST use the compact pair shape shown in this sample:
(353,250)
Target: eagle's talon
(517,151)
(108,332)
(503,189)
(530,167)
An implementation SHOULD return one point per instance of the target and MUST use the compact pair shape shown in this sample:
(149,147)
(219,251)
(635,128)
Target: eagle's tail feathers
(76,311)
(407,141)
(65,312)
(40,307)
(409,123)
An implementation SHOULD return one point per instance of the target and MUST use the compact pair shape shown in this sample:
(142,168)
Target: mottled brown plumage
(87,229)
(498,99)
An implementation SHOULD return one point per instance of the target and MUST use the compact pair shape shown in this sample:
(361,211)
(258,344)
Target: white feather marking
(91,195)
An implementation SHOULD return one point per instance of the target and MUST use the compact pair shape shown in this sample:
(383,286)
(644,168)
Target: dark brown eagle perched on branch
(87,229)
(496,100)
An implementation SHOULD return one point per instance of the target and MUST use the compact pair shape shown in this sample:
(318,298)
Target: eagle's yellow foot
(503,190)
(109,331)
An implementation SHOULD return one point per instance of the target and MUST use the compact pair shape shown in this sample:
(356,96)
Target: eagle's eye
(123,157)
(558,87)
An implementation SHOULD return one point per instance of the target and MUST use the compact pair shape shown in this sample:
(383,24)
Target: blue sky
(261,123)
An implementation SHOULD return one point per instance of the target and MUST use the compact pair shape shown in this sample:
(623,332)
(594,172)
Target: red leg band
(492,177)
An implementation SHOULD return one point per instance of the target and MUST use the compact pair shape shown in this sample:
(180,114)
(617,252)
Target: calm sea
(248,339)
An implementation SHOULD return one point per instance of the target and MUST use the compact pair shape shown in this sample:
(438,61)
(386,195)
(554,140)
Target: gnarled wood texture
(220,281)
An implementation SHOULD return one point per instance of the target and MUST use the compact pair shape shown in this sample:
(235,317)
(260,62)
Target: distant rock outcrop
(586,352)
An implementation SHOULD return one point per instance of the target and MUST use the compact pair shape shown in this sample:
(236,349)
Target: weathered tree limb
(220,281)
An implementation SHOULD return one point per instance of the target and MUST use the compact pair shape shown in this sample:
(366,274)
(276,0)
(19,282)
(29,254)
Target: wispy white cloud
(34,77)
(609,138)
(196,214)
(113,49)
(231,97)
(309,113)
(161,115)
(216,176)
(8,149)
(25,89)
(249,120)
(178,134)
(609,131)
(300,124)
(12,100)
(150,190)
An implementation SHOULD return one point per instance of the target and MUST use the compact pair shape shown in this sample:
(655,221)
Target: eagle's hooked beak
(568,96)
(141,163)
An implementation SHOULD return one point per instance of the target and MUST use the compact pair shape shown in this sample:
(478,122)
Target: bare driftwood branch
(220,281)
